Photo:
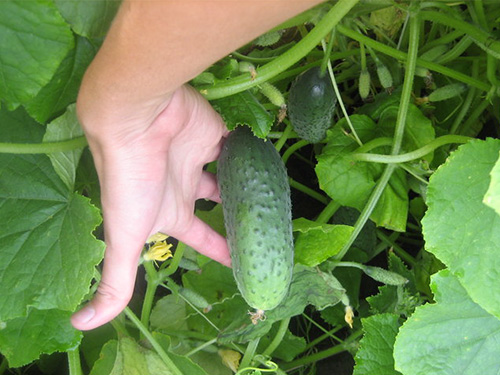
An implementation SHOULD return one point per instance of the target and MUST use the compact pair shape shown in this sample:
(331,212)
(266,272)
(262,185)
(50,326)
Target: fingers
(208,188)
(114,291)
(201,237)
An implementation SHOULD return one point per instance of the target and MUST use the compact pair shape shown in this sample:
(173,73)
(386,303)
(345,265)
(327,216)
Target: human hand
(151,173)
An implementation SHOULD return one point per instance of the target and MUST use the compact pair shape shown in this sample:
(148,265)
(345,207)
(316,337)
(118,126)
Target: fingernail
(84,315)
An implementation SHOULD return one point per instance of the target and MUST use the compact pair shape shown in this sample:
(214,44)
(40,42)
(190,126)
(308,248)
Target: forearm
(153,47)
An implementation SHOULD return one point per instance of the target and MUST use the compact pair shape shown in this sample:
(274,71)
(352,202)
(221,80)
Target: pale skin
(151,134)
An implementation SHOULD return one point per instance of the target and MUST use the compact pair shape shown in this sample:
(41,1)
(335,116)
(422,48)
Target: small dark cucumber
(311,104)
(256,203)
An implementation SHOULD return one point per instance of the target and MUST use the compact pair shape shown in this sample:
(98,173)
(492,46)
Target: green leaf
(107,359)
(30,53)
(459,228)
(63,128)
(374,356)
(169,313)
(309,286)
(23,339)
(63,88)
(214,218)
(350,182)
(317,242)
(216,284)
(183,363)
(345,181)
(453,336)
(244,109)
(492,196)
(289,347)
(48,250)
(89,18)
(418,130)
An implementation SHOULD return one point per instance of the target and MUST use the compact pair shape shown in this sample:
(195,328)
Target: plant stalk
(43,147)
(159,350)
(398,134)
(75,366)
(277,338)
(284,61)
(413,155)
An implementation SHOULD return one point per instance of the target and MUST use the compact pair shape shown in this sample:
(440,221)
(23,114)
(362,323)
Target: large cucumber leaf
(453,336)
(48,252)
(380,334)
(63,128)
(89,18)
(459,228)
(23,339)
(30,54)
(62,89)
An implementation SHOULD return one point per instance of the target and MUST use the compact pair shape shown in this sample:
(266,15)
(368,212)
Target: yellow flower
(349,314)
(158,248)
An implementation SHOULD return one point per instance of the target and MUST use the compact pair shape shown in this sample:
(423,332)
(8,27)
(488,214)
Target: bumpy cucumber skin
(311,104)
(256,203)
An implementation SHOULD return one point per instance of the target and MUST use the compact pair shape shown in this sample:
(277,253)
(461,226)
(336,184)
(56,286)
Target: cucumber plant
(394,167)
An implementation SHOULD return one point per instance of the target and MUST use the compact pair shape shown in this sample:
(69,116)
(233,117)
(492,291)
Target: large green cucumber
(311,104)
(256,203)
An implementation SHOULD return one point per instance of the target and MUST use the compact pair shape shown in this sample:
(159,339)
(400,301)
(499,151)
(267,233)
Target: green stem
(457,50)
(44,147)
(323,354)
(472,119)
(466,105)
(327,51)
(283,138)
(402,56)
(374,143)
(284,61)
(278,337)
(400,252)
(482,38)
(307,190)
(159,350)
(321,338)
(491,69)
(293,148)
(174,264)
(152,285)
(351,264)
(119,326)
(413,155)
(201,347)
(328,212)
(411,64)
(3,365)
(75,366)
(398,135)
(249,353)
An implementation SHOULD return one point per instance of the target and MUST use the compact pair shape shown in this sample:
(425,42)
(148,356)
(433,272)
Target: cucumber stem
(402,56)
(398,135)
(249,353)
(284,61)
(278,337)
(43,147)
(413,155)
(158,348)
(74,364)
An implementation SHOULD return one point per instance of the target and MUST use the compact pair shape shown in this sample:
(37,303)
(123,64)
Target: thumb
(114,291)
